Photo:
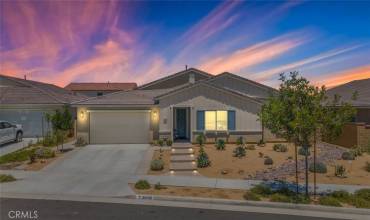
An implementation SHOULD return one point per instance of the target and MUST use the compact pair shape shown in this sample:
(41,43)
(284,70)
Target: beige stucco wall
(245,121)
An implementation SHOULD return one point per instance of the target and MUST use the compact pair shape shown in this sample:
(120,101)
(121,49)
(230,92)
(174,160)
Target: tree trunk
(306,167)
(314,165)
(296,168)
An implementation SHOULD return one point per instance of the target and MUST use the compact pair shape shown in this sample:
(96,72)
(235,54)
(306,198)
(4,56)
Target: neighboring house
(356,133)
(99,89)
(25,102)
(178,107)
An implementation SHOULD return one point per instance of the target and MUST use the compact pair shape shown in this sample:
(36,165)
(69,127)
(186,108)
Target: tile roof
(32,92)
(346,91)
(101,86)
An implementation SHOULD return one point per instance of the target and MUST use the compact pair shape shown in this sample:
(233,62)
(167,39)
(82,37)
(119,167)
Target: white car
(10,132)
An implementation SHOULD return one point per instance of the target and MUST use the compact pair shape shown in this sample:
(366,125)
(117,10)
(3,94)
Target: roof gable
(345,91)
(177,79)
(242,85)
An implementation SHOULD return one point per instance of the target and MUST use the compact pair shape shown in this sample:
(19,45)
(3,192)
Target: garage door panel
(119,127)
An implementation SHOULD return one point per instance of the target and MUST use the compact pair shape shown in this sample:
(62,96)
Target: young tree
(61,122)
(298,111)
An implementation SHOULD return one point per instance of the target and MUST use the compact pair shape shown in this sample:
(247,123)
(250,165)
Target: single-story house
(177,107)
(99,89)
(25,102)
(356,133)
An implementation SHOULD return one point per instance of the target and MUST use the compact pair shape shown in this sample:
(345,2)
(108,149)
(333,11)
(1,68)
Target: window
(216,120)
(99,93)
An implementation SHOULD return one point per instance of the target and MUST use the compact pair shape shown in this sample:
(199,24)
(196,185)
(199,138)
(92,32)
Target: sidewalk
(199,181)
(11,147)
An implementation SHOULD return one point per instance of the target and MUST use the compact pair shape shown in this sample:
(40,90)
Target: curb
(303,207)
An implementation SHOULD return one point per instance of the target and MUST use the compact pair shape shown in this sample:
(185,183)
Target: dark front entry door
(181,123)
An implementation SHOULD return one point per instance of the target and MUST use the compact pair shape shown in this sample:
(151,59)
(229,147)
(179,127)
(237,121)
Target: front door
(181,124)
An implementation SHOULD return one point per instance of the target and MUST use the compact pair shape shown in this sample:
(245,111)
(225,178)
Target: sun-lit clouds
(337,78)
(255,54)
(265,75)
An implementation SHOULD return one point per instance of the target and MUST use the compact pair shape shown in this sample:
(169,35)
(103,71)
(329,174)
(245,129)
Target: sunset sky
(99,41)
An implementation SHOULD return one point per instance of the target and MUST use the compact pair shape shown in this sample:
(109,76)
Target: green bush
(329,201)
(50,140)
(360,203)
(268,161)
(220,144)
(161,142)
(200,139)
(202,159)
(367,167)
(250,147)
(348,156)
(6,178)
(363,193)
(239,151)
(142,184)
(240,141)
(261,189)
(261,143)
(342,196)
(251,196)
(277,197)
(304,151)
(320,168)
(340,171)
(157,165)
(169,142)
(280,148)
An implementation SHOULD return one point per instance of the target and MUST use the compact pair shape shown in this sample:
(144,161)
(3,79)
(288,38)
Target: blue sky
(94,41)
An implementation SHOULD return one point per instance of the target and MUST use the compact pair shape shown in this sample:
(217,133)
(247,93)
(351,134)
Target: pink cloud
(253,55)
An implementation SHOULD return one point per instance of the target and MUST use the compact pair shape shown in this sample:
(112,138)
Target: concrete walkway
(199,181)
(14,146)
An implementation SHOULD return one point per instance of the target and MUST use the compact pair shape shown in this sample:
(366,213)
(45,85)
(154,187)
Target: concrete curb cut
(320,208)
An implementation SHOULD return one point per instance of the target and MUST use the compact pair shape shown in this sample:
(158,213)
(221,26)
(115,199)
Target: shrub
(49,140)
(44,153)
(277,197)
(200,139)
(280,148)
(304,151)
(250,147)
(6,178)
(363,193)
(202,159)
(251,196)
(348,156)
(142,184)
(220,144)
(367,167)
(268,161)
(329,201)
(262,190)
(240,141)
(239,151)
(158,186)
(260,154)
(342,195)
(157,165)
(360,203)
(169,142)
(320,168)
(161,142)
(340,171)
(80,142)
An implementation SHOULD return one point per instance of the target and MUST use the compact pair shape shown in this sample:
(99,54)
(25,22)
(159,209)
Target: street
(56,209)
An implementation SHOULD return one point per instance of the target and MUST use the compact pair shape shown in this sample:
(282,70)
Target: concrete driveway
(95,170)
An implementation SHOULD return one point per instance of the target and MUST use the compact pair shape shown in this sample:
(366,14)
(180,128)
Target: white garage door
(119,127)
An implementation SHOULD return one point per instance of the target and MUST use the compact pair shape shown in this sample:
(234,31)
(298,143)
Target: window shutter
(200,120)
(231,120)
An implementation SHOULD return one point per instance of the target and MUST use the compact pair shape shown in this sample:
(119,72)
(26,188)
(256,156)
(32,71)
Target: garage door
(117,127)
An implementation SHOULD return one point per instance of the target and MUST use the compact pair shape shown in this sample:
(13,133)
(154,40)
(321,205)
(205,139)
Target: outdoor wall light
(155,115)
(82,114)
